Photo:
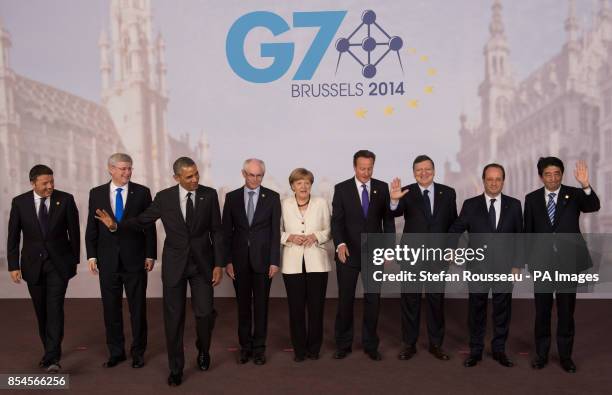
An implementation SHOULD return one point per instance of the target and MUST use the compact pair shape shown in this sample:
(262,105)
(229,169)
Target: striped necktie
(551,207)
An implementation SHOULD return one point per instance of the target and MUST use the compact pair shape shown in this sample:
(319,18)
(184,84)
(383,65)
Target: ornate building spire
(105,66)
(571,23)
(496,27)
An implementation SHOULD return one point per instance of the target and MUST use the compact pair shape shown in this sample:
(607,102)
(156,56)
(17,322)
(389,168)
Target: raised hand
(106,219)
(582,173)
(396,192)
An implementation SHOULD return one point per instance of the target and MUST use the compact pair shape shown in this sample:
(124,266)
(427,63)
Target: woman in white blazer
(305,231)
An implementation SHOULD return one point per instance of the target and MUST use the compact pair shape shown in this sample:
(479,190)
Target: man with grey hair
(251,223)
(122,259)
(193,253)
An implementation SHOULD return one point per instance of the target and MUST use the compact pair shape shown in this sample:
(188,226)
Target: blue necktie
(119,204)
(365,200)
(551,207)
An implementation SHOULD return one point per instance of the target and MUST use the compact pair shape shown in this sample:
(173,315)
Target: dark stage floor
(85,351)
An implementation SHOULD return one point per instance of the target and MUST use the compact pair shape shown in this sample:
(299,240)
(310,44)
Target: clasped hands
(303,240)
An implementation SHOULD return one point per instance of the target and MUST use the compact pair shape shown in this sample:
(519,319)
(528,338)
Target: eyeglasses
(250,175)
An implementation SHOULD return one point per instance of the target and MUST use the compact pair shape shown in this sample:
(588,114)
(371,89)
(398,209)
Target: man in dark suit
(360,205)
(251,221)
(483,217)
(193,253)
(122,258)
(555,209)
(49,221)
(427,207)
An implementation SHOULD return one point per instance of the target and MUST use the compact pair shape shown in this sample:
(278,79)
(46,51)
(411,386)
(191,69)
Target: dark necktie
(492,215)
(365,200)
(43,216)
(427,204)
(189,211)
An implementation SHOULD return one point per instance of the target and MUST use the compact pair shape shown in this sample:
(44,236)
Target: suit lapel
(484,209)
(374,192)
(417,197)
(562,200)
(504,211)
(32,205)
(438,196)
(199,203)
(177,203)
(54,208)
(261,201)
(356,196)
(129,200)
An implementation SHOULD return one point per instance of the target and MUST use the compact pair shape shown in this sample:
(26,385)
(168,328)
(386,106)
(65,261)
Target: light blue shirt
(246,197)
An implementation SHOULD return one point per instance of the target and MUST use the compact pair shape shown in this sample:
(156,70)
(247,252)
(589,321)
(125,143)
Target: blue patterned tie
(365,200)
(119,204)
(551,207)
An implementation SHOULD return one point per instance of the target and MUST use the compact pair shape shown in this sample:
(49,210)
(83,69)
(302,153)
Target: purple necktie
(365,200)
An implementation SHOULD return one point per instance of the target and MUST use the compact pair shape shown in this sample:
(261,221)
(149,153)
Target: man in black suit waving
(122,258)
(360,205)
(251,221)
(49,221)
(555,209)
(193,253)
(489,214)
(427,207)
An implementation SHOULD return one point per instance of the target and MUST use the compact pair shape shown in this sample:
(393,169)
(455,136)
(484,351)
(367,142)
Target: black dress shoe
(503,359)
(175,379)
(406,353)
(312,355)
(54,367)
(299,358)
(203,360)
(539,363)
(137,361)
(259,358)
(44,364)
(244,356)
(437,352)
(374,355)
(341,354)
(568,365)
(113,361)
(472,360)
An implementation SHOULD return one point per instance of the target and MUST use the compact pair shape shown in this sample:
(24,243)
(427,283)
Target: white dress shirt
(183,200)
(37,200)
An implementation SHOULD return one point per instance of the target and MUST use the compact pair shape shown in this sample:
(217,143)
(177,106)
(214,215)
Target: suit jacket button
(302,222)
(302,231)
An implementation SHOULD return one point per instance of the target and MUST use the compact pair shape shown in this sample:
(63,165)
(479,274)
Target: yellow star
(411,51)
(431,71)
(424,58)
(413,103)
(361,112)
(389,110)
(429,89)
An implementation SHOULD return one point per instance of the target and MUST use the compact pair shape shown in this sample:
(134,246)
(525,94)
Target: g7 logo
(328,21)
